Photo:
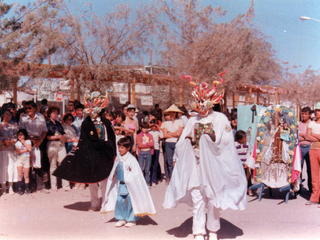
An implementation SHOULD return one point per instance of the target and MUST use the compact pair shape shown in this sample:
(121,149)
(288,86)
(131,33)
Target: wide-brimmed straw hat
(173,108)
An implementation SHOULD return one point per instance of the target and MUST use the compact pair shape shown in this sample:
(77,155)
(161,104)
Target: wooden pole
(78,90)
(15,92)
(133,96)
(250,93)
(71,89)
(129,91)
(233,100)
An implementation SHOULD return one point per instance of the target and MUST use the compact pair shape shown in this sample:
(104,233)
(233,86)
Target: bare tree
(101,49)
(26,36)
(196,45)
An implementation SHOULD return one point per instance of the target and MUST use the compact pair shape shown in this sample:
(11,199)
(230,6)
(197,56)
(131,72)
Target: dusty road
(64,215)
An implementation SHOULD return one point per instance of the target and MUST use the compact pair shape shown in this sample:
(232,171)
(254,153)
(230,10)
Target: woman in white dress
(8,169)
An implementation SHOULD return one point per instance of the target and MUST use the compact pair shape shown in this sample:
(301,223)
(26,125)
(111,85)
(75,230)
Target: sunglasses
(28,108)
(69,119)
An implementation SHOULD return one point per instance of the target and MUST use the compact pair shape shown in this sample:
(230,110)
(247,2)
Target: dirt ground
(64,215)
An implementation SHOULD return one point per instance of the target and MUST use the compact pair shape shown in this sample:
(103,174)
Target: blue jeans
(155,164)
(145,163)
(170,146)
(69,146)
(305,156)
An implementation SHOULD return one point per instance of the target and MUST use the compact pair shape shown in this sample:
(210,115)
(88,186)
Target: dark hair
(239,135)
(5,110)
(217,108)
(43,109)
(44,101)
(153,121)
(79,105)
(125,141)
(153,113)
(66,116)
(25,133)
(156,105)
(71,102)
(32,103)
(306,109)
(52,109)
(183,109)
(120,114)
(11,105)
(117,125)
(144,125)
(124,106)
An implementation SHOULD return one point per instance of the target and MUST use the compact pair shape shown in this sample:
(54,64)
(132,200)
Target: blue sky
(296,41)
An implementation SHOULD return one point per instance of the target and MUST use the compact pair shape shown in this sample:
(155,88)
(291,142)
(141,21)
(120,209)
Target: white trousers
(56,153)
(94,192)
(199,214)
(12,168)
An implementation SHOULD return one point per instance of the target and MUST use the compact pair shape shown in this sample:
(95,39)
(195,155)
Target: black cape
(94,157)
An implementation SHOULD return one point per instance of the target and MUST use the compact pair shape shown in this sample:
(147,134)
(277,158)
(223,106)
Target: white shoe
(120,223)
(213,236)
(130,224)
(199,237)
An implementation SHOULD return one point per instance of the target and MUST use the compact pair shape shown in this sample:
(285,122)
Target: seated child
(243,149)
(127,193)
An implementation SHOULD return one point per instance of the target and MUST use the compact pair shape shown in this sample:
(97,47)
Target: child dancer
(127,192)
(145,151)
(23,147)
(243,149)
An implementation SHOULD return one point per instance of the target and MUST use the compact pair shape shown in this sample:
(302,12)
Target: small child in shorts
(23,148)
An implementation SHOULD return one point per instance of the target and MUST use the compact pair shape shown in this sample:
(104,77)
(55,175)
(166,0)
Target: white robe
(221,176)
(139,194)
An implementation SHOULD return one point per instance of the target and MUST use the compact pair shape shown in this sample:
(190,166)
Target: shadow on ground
(227,230)
(183,230)
(79,206)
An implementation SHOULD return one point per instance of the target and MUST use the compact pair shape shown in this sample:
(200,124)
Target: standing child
(23,147)
(155,157)
(145,151)
(118,132)
(127,193)
(243,149)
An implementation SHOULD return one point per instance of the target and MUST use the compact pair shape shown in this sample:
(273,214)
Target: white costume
(210,176)
(140,197)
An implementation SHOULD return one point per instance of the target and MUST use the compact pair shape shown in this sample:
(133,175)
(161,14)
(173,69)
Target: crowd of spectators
(25,131)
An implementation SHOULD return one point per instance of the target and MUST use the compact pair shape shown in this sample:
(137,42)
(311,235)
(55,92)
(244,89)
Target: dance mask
(94,102)
(204,98)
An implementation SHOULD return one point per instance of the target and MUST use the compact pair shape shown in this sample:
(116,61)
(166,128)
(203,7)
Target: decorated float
(276,151)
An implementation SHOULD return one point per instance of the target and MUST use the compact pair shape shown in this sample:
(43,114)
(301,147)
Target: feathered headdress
(94,102)
(205,98)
